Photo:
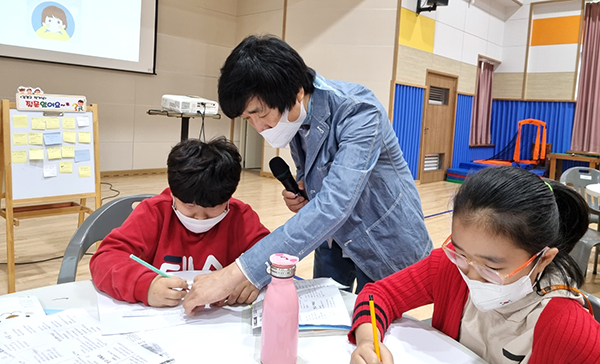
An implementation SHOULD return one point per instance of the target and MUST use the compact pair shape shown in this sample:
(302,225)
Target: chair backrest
(579,177)
(595,301)
(99,224)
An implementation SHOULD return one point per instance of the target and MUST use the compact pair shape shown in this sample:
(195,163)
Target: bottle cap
(282,265)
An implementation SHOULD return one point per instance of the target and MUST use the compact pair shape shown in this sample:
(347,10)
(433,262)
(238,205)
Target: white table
(410,340)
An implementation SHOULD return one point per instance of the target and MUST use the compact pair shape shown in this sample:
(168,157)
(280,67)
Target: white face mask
(200,226)
(281,134)
(488,296)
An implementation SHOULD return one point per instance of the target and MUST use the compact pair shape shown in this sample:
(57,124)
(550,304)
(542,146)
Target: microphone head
(279,168)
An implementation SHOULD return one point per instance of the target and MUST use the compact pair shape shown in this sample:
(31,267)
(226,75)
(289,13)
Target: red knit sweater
(154,233)
(564,333)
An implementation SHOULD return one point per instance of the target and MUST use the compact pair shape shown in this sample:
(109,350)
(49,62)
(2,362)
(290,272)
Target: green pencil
(151,267)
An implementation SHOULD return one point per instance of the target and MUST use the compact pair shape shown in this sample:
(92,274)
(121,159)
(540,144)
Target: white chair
(579,178)
(595,302)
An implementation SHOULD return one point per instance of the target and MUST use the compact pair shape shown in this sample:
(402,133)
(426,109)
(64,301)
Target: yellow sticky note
(68,123)
(54,153)
(38,123)
(68,152)
(85,137)
(69,136)
(36,138)
(85,171)
(65,167)
(19,156)
(19,138)
(36,154)
(20,121)
(52,123)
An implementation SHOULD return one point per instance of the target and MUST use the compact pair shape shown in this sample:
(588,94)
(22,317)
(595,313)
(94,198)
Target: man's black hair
(205,174)
(265,67)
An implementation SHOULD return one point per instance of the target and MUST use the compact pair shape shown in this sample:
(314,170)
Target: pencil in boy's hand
(374,324)
(149,266)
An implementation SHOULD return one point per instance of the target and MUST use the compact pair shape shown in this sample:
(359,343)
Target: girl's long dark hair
(531,212)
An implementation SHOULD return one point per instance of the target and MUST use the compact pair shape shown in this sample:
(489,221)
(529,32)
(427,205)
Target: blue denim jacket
(360,189)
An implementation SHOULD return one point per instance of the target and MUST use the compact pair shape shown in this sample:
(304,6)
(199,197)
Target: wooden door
(438,127)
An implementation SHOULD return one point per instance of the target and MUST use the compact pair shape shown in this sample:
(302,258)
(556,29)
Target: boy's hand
(365,349)
(162,292)
(293,202)
(245,292)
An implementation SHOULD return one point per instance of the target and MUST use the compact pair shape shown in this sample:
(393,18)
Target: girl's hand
(365,348)
(365,354)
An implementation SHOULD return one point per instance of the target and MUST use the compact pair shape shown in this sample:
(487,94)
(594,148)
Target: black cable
(110,187)
(42,261)
(202,136)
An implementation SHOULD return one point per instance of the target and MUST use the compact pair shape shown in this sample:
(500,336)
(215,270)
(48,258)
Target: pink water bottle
(280,313)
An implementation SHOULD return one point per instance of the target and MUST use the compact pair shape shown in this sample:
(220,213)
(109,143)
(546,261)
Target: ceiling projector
(189,105)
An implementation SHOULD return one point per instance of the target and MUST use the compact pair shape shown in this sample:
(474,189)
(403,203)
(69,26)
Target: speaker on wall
(437,2)
(432,5)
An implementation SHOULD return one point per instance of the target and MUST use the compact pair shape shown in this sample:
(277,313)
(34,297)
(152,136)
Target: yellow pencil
(374,324)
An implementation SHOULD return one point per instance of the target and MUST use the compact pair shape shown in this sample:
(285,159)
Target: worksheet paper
(19,308)
(321,305)
(69,337)
(119,317)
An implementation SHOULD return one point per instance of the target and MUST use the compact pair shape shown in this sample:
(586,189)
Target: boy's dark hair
(265,67)
(520,206)
(54,12)
(205,174)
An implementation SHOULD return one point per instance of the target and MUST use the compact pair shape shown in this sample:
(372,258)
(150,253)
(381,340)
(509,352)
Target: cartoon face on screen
(54,24)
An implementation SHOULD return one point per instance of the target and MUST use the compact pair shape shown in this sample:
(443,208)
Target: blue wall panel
(408,115)
(407,123)
(462,131)
(558,117)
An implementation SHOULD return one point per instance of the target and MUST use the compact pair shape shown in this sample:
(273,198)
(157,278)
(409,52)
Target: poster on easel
(49,167)
(51,155)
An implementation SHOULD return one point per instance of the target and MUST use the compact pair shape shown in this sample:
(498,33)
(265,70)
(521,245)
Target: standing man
(363,216)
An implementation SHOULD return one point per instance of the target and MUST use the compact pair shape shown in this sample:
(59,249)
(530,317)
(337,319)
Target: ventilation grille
(438,95)
(432,162)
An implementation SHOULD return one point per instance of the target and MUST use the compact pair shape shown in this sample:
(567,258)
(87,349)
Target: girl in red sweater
(503,284)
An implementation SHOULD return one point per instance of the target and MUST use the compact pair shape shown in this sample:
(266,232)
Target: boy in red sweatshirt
(194,224)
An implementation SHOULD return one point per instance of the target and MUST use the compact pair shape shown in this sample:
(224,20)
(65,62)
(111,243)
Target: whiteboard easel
(30,190)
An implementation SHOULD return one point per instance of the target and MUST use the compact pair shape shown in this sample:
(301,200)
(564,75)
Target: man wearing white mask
(363,217)
(194,224)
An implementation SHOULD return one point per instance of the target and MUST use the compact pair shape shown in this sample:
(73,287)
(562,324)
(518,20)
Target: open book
(322,308)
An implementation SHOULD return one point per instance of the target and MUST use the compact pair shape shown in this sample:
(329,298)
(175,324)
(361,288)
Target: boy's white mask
(200,226)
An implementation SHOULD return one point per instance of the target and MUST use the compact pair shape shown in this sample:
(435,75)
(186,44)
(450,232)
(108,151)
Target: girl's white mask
(488,296)
(200,226)
(281,134)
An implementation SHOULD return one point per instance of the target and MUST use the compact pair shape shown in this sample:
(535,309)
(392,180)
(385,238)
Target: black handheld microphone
(281,171)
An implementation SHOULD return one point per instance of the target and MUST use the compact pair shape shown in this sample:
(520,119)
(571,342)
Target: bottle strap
(556,287)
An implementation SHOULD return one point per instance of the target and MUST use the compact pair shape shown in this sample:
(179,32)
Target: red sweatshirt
(153,233)
(564,333)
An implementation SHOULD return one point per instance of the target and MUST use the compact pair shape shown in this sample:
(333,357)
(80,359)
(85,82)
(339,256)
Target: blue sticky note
(52,138)
(82,155)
